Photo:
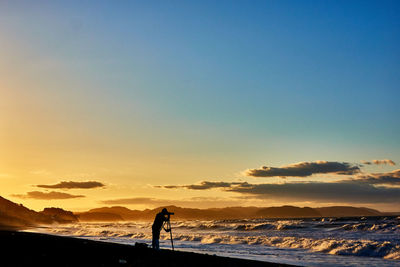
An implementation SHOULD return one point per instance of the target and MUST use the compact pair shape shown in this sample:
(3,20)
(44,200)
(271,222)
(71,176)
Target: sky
(200,103)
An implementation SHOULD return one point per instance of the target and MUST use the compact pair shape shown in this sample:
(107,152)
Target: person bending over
(158,223)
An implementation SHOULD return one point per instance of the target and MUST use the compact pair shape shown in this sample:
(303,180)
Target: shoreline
(36,249)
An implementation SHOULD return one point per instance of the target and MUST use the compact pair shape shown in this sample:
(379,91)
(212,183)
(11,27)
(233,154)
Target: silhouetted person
(161,217)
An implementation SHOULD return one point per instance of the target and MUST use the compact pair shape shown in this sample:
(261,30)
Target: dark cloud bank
(303,169)
(202,186)
(73,185)
(345,191)
(48,195)
(324,192)
(389,178)
(364,188)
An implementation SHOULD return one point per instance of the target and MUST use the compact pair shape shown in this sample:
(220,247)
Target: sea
(366,241)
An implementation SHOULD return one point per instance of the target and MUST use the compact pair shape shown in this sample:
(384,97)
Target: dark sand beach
(33,249)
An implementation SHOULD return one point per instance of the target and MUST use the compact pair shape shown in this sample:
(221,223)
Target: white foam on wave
(382,249)
(368,248)
(392,226)
(383,227)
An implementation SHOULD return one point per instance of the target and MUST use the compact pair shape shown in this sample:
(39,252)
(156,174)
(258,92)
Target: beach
(34,249)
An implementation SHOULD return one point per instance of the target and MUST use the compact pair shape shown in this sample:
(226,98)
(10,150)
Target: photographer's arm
(166,220)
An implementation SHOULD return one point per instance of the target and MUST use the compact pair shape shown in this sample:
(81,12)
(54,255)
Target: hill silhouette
(346,211)
(60,215)
(16,215)
(285,211)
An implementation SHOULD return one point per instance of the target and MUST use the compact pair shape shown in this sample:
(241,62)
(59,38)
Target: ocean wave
(340,238)
(383,227)
(386,249)
(242,226)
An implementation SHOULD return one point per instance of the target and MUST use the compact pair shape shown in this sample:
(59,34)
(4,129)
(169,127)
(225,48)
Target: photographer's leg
(156,240)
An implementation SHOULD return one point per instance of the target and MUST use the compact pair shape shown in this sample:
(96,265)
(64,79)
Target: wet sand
(32,249)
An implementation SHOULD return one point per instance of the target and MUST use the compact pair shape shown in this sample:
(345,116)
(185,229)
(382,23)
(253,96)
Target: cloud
(47,195)
(202,186)
(73,185)
(366,162)
(303,169)
(322,192)
(389,178)
(379,162)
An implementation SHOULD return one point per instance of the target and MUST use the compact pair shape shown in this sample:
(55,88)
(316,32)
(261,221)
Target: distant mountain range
(16,215)
(117,213)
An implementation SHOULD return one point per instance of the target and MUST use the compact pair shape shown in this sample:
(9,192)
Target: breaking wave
(368,248)
(384,227)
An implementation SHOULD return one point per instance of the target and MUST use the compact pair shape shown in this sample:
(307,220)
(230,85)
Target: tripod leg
(170,234)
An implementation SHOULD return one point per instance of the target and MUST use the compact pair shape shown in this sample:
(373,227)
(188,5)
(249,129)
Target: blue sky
(234,83)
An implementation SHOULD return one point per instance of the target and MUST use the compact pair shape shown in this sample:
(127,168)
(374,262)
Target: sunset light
(280,109)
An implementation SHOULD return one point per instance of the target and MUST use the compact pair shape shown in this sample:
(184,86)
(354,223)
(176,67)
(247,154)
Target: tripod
(167,228)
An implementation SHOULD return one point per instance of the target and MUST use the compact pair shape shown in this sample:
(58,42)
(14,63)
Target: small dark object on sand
(141,245)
